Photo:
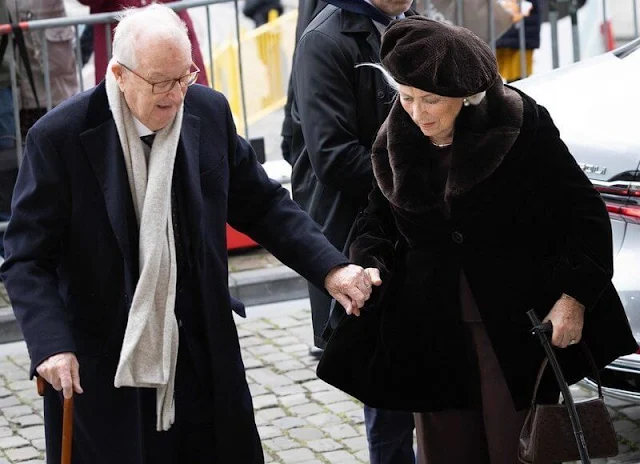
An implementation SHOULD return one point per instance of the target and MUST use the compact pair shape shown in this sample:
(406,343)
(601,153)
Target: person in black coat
(258,10)
(479,214)
(116,261)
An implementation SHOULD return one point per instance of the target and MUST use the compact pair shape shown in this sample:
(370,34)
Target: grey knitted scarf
(150,349)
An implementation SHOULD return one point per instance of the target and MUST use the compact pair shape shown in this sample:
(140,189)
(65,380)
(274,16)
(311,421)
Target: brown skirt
(487,434)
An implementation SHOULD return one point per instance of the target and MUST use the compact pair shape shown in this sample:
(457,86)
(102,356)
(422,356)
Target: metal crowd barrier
(268,47)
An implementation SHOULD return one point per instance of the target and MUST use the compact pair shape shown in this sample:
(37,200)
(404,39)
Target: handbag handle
(587,354)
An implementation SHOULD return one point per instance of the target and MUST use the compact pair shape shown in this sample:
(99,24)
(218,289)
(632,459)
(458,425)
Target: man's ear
(118,72)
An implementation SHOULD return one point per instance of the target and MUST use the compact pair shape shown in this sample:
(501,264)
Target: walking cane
(67,422)
(541,330)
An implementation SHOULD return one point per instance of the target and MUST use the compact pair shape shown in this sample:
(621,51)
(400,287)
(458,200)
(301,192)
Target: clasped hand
(351,286)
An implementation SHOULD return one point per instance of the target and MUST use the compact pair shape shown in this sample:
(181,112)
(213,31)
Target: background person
(336,110)
(99,38)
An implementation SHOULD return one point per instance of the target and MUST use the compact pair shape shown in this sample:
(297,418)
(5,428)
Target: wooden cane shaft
(67,430)
(41,384)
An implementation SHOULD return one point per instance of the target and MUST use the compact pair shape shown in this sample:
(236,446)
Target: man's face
(392,7)
(157,62)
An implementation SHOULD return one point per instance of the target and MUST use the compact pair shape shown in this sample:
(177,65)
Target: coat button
(380,94)
(457,237)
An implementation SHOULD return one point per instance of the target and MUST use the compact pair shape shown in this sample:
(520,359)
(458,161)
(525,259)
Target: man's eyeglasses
(166,86)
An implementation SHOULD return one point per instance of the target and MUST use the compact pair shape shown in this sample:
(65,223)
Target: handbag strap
(587,354)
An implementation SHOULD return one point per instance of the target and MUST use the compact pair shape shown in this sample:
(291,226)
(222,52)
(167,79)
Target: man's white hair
(474,99)
(137,26)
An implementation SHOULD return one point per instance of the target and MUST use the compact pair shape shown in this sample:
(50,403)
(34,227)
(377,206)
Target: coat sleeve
(325,99)
(377,242)
(585,267)
(261,208)
(39,213)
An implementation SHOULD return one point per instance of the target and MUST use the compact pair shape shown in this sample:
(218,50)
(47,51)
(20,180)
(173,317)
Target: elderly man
(116,260)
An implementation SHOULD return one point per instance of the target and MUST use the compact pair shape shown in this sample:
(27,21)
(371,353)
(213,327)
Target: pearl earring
(465,102)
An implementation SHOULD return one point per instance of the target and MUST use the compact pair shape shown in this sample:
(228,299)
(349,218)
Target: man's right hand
(62,371)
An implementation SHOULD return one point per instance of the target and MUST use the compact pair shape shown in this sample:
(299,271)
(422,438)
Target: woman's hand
(567,317)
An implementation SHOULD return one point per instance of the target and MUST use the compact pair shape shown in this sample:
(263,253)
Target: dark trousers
(390,436)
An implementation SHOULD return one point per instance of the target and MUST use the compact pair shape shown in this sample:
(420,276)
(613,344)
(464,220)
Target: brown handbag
(547,435)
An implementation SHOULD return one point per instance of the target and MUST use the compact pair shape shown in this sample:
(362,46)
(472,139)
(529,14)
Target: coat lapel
(101,143)
(189,160)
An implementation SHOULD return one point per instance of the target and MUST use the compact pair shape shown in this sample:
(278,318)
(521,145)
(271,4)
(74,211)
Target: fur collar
(484,134)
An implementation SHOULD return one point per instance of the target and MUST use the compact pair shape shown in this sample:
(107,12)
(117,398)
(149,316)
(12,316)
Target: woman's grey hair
(138,25)
(474,99)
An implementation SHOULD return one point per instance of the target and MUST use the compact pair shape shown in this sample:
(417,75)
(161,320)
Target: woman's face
(434,114)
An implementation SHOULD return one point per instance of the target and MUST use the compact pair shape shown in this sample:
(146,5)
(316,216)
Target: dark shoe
(315,352)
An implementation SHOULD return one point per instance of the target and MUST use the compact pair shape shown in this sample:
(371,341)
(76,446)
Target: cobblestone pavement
(300,418)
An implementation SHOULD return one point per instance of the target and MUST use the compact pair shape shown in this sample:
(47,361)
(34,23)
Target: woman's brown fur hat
(437,57)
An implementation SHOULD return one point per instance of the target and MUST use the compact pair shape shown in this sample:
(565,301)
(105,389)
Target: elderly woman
(479,213)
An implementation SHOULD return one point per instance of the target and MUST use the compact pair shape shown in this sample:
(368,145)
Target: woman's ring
(572,342)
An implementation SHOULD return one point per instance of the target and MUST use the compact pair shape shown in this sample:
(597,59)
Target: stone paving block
(295,455)
(4,392)
(323,445)
(12,442)
(268,379)
(257,389)
(39,444)
(305,434)
(356,443)
(286,341)
(363,455)
(269,431)
(344,406)
(285,322)
(622,425)
(260,350)
(297,348)
(270,414)
(278,356)
(631,413)
(324,419)
(9,401)
(302,375)
(305,410)
(290,365)
(293,400)
(11,412)
(5,432)
(32,433)
(356,416)
(33,461)
(3,421)
(289,422)
(29,395)
(341,431)
(243,333)
(317,385)
(275,335)
(339,457)
(331,396)
(256,325)
(251,363)
(287,390)
(18,385)
(265,401)
(251,341)
(280,444)
(22,454)
(4,461)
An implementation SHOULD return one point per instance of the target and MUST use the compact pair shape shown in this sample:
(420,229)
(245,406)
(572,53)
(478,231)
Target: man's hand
(62,371)
(351,286)
(567,317)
